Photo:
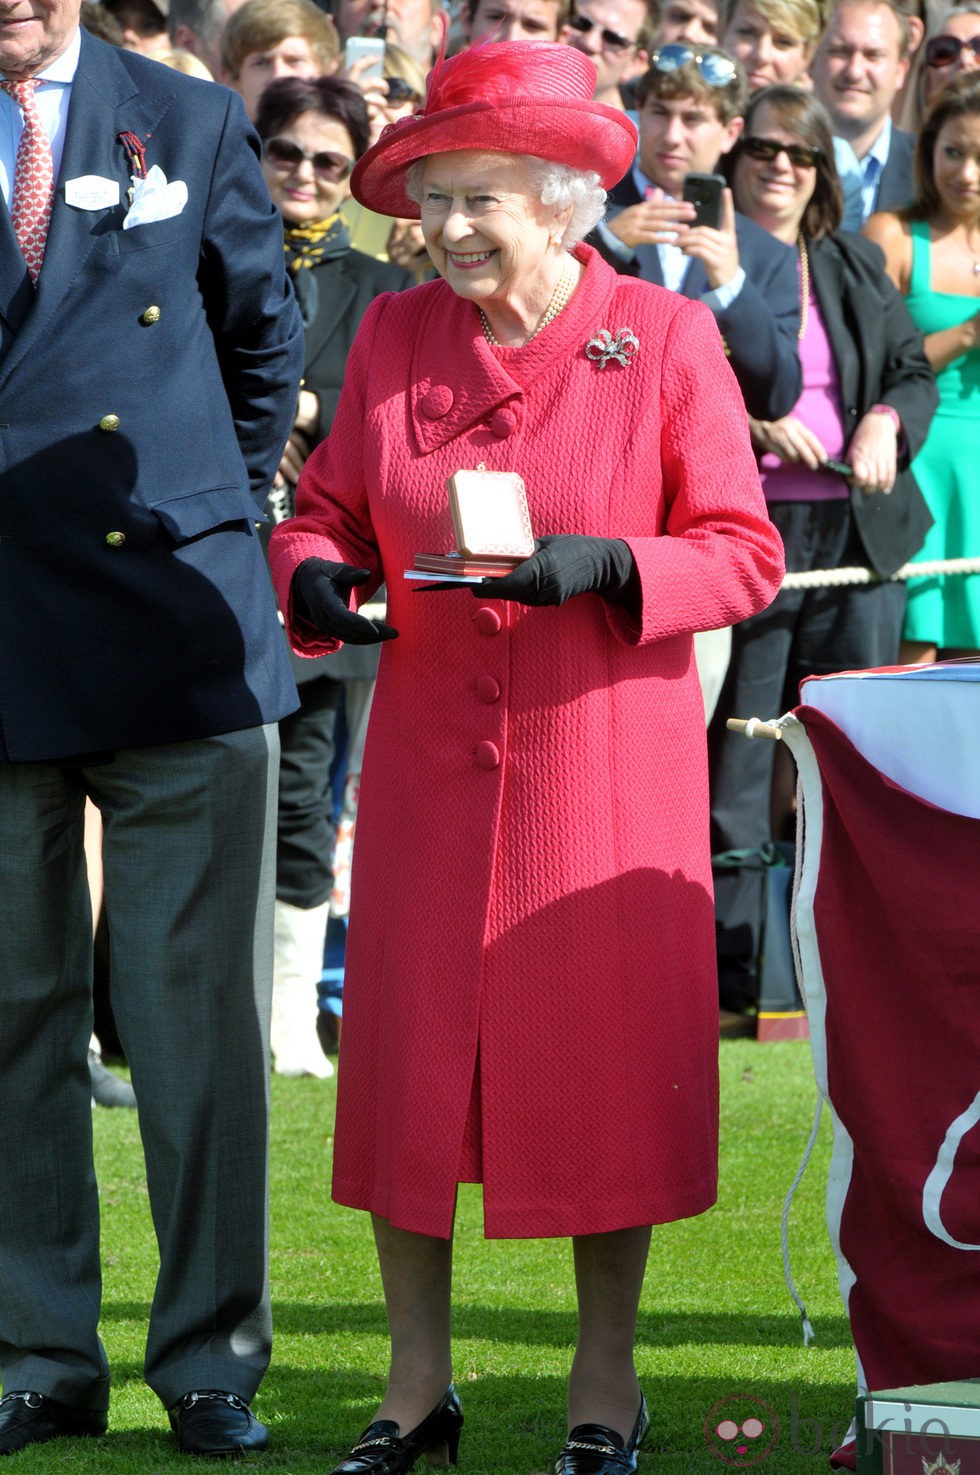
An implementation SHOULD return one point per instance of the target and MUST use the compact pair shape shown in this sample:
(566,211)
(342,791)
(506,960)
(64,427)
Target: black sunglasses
(801,155)
(401,91)
(716,68)
(942,51)
(283,153)
(611,40)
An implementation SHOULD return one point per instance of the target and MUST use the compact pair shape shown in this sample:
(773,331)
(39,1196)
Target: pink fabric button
(487,621)
(438,401)
(503,423)
(487,755)
(488,689)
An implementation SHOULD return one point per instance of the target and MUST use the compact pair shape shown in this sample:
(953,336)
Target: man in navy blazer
(148,382)
(691,109)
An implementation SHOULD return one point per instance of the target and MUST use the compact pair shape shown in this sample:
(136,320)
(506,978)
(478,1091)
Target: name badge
(91,192)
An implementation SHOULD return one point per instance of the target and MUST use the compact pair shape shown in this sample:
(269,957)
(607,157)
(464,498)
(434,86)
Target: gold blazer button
(109,422)
(115,540)
(151,315)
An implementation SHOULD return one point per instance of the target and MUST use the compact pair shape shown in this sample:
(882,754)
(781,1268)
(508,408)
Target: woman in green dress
(932,253)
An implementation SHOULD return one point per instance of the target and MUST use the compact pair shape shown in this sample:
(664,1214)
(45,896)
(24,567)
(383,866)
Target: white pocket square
(155,199)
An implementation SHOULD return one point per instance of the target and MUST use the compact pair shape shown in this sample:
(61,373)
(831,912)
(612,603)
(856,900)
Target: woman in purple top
(836,479)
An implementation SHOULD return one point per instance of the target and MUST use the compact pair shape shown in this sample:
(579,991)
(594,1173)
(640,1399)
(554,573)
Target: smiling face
(956,168)
(301,193)
(487,232)
(33,33)
(768,52)
(293,57)
(859,68)
(679,136)
(773,192)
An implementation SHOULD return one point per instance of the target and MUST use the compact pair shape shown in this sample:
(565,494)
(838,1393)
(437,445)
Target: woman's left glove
(565,565)
(320,593)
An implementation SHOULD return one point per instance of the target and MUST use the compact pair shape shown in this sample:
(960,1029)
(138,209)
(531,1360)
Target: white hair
(555,184)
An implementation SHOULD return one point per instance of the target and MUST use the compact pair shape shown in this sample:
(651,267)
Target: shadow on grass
(317,1396)
(534,1328)
(516,1424)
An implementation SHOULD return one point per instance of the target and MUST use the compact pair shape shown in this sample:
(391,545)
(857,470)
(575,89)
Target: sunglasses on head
(943,51)
(611,40)
(716,69)
(282,153)
(801,155)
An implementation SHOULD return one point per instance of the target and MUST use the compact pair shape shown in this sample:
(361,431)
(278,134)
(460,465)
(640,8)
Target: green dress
(945,610)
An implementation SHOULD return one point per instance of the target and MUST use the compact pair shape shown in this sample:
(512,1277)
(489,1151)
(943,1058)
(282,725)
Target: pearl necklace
(564,288)
(804,285)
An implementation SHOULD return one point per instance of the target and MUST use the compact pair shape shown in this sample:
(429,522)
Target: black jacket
(879,356)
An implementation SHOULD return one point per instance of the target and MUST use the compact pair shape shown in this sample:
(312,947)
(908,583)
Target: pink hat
(508,97)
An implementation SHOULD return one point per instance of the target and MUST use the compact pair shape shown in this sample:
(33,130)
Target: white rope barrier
(828,578)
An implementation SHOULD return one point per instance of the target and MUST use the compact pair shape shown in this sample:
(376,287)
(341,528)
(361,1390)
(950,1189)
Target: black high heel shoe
(595,1449)
(381,1450)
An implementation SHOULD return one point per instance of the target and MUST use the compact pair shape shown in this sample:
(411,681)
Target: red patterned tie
(33,192)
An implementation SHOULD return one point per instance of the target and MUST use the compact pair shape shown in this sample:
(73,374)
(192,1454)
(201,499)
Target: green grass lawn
(716,1321)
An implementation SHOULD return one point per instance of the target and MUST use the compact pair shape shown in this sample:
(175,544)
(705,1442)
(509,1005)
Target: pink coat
(530,994)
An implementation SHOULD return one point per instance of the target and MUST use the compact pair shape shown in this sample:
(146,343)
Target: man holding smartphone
(691,111)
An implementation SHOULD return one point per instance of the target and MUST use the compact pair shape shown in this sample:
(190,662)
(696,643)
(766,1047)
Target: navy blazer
(137,446)
(759,327)
(879,356)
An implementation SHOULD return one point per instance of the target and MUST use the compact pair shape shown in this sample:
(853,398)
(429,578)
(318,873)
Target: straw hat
(509,97)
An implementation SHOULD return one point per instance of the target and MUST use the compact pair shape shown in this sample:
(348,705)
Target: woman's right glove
(320,592)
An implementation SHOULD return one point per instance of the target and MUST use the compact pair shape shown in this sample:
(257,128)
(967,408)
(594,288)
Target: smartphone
(359,47)
(703,191)
(841,468)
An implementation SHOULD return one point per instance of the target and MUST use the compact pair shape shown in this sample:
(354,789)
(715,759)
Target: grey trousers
(189,853)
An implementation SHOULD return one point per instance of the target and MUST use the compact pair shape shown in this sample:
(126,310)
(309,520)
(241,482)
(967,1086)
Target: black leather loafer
(210,1422)
(594,1449)
(33,1418)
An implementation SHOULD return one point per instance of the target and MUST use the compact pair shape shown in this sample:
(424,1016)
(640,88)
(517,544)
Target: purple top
(819,407)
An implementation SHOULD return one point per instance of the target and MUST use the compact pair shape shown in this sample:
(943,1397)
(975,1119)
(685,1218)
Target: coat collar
(457,379)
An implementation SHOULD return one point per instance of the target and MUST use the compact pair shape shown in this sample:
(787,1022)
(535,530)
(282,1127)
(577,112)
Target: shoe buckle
(189,1399)
(32,1400)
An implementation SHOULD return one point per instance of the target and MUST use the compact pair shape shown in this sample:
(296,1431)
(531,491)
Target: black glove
(565,565)
(320,592)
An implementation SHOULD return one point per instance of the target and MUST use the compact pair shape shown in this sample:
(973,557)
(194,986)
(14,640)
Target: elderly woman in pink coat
(530,999)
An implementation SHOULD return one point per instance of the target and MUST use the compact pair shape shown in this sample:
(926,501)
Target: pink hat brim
(582,135)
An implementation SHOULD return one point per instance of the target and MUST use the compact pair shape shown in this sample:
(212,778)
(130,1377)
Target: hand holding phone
(370,52)
(704,192)
(839,468)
